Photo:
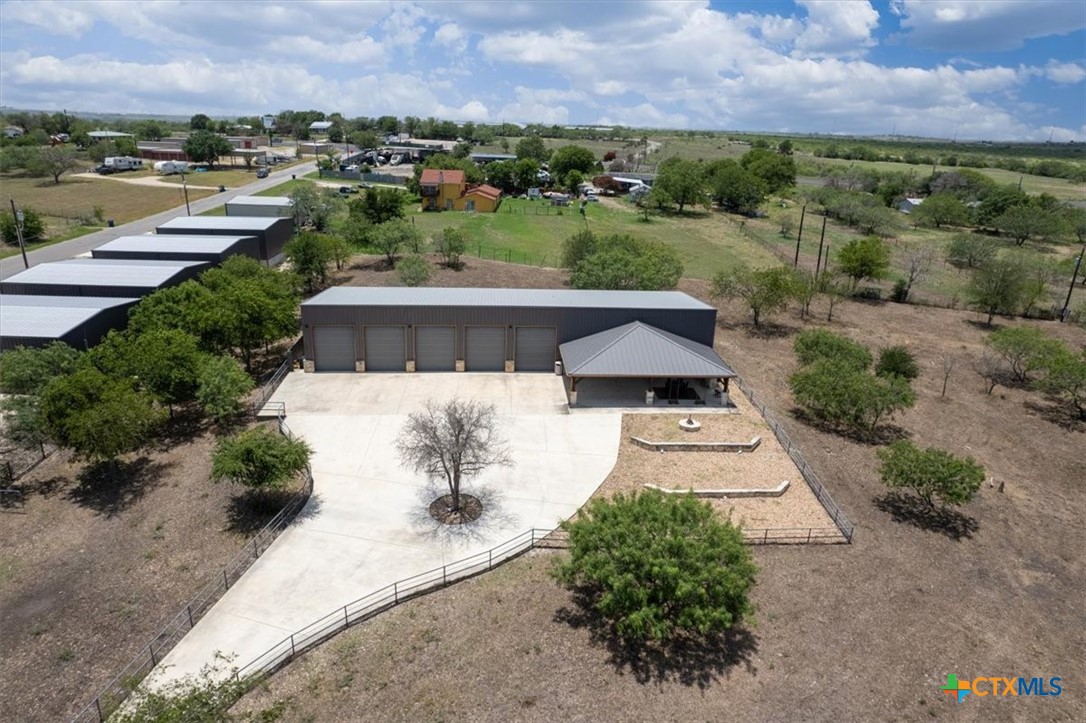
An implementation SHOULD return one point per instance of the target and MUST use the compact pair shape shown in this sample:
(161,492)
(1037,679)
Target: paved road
(66,250)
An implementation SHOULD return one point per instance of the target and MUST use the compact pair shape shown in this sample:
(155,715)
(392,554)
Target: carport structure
(636,364)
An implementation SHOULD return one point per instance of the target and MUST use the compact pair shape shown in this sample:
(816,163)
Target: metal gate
(333,348)
(385,350)
(485,349)
(535,349)
(435,348)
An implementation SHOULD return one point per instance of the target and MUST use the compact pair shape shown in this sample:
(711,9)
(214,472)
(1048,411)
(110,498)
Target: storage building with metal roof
(117,278)
(658,340)
(280,206)
(272,233)
(78,321)
(213,249)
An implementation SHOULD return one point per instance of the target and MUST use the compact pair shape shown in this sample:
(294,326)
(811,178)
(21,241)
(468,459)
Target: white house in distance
(13,131)
(320,126)
(907,204)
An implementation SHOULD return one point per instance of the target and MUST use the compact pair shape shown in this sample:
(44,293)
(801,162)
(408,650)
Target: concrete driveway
(366,525)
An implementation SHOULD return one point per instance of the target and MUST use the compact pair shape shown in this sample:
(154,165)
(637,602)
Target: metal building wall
(271,240)
(572,323)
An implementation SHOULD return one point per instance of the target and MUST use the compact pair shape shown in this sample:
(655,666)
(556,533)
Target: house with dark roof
(613,348)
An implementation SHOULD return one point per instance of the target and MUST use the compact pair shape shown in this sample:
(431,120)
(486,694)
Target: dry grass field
(92,567)
(867,631)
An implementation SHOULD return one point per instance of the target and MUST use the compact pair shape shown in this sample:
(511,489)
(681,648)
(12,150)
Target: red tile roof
(434,176)
(485,190)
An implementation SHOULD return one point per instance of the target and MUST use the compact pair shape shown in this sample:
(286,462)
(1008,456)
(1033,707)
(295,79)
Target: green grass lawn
(532,232)
(231,178)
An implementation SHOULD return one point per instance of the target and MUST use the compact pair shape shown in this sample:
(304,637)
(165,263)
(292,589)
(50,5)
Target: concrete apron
(366,525)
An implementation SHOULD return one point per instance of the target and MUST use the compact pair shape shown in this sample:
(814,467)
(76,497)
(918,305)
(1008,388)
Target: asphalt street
(81,245)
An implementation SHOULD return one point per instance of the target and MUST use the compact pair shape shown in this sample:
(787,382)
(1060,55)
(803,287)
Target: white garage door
(334,348)
(385,350)
(535,349)
(485,349)
(435,348)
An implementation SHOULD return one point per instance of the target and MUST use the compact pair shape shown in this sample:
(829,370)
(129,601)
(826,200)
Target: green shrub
(33,227)
(657,565)
(931,473)
(815,344)
(843,396)
(414,270)
(1025,349)
(259,459)
(899,361)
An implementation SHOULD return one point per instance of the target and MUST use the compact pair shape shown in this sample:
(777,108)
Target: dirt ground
(867,631)
(90,571)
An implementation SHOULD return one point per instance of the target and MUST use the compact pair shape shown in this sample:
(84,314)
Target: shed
(486,330)
(260,206)
(78,321)
(321,126)
(108,135)
(117,278)
(272,233)
(177,247)
(908,204)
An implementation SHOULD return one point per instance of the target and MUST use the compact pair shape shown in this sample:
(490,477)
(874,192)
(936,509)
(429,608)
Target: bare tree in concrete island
(453,441)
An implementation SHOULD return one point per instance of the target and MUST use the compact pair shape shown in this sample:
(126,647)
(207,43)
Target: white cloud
(1064,73)
(56,18)
(837,28)
(956,25)
(452,37)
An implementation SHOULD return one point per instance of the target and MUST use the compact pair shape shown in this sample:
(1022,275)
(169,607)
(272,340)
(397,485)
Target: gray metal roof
(102,272)
(241,224)
(279,201)
(173,242)
(543,298)
(639,350)
(50,317)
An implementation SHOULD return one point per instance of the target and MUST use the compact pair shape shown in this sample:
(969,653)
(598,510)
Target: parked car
(591,198)
(262,173)
(364,185)
(345,190)
(103,170)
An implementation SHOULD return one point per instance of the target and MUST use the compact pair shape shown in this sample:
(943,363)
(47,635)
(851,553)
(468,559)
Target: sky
(993,69)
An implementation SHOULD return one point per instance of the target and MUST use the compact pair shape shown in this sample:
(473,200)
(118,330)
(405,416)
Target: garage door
(485,349)
(385,349)
(435,348)
(535,349)
(334,348)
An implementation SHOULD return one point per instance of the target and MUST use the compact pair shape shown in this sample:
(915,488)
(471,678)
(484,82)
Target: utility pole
(1074,277)
(19,217)
(818,264)
(799,236)
(185,188)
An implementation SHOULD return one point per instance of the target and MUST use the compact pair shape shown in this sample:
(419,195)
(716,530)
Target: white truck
(167,168)
(123,163)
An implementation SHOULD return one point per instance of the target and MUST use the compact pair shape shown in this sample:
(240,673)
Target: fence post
(444,577)
(98,705)
(225,580)
(151,651)
(808,535)
(765,536)
(189,609)
(396,592)
(292,653)
(490,559)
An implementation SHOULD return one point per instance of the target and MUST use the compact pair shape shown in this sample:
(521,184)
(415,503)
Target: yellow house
(480,199)
(441,189)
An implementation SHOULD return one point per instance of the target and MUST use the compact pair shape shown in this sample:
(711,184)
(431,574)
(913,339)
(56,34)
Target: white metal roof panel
(173,242)
(102,272)
(241,224)
(50,317)
(542,298)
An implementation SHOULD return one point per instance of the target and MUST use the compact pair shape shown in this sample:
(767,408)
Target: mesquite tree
(453,441)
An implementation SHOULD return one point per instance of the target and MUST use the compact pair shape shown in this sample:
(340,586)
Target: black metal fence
(118,689)
(17,461)
(391,595)
(836,514)
(268,388)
